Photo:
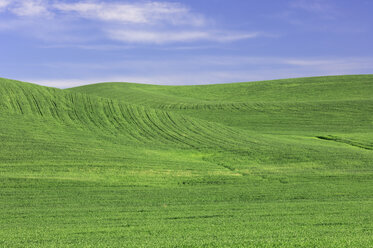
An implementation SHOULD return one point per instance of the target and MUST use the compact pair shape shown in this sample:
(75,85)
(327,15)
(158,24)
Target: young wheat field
(283,163)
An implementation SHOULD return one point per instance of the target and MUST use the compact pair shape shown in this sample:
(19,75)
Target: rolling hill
(305,104)
(283,163)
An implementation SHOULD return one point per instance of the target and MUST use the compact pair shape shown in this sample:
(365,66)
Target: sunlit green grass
(284,163)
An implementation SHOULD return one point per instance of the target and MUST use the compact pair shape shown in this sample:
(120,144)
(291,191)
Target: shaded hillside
(135,123)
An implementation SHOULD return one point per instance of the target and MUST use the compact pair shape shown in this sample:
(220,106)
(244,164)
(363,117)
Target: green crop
(284,163)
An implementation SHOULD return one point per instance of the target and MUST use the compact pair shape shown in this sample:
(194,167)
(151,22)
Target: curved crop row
(135,123)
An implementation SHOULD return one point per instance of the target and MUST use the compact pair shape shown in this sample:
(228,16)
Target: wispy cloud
(151,13)
(148,22)
(204,70)
(4,4)
(161,37)
(315,15)
(322,8)
(29,8)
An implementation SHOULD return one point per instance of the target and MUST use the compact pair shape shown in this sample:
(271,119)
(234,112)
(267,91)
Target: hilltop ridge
(316,104)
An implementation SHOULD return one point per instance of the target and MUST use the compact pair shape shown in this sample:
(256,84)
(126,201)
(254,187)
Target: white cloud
(134,36)
(333,66)
(129,22)
(226,37)
(111,12)
(161,37)
(30,8)
(135,13)
(4,4)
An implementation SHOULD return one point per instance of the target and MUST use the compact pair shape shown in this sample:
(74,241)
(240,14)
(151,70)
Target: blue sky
(68,43)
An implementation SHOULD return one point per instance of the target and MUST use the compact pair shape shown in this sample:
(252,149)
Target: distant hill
(317,104)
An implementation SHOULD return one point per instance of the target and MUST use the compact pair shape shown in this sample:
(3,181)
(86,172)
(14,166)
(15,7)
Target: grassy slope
(313,105)
(220,165)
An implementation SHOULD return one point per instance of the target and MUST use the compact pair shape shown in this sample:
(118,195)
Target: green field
(284,163)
